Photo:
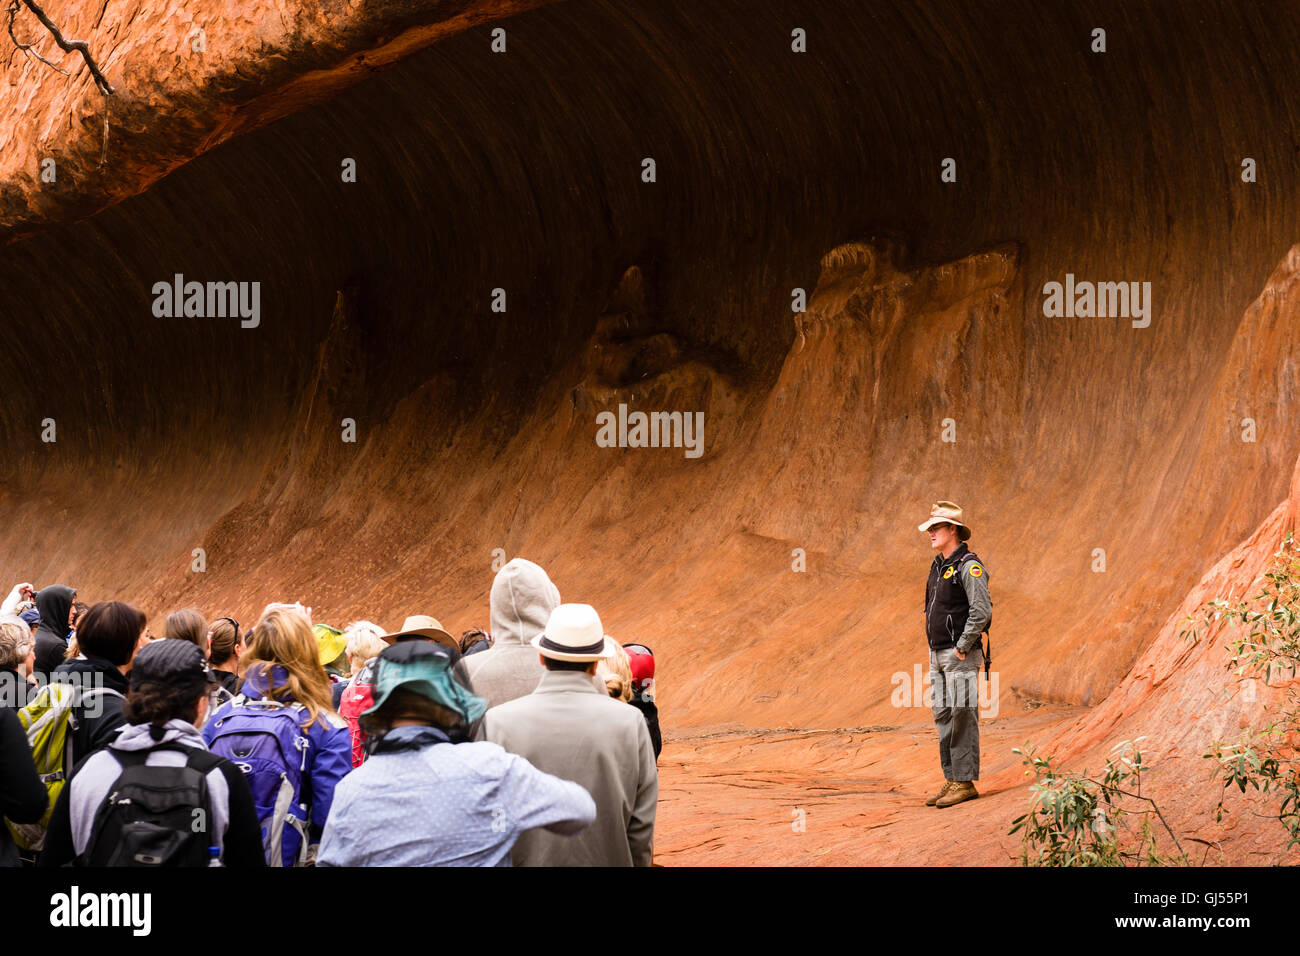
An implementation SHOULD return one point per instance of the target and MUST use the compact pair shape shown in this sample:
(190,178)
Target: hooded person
(522,600)
(55,605)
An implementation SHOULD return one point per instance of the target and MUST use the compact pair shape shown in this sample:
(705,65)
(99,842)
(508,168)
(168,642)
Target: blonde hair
(284,637)
(365,640)
(617,671)
(15,641)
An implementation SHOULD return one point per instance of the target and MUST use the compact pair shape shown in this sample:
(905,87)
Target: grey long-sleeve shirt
(975,581)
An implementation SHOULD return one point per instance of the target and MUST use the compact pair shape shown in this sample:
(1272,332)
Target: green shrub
(1075,820)
(1264,758)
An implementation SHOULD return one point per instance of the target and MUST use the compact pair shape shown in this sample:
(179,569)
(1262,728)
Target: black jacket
(651,714)
(98,721)
(23,798)
(54,603)
(229,681)
(947,606)
(15,692)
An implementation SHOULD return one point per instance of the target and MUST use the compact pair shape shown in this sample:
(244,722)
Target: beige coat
(569,728)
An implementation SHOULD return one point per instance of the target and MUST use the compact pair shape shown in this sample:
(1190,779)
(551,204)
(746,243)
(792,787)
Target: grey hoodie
(523,598)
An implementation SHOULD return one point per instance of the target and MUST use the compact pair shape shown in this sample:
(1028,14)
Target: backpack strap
(195,757)
(74,722)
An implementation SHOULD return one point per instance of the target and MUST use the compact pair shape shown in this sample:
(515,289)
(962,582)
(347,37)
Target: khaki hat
(946,512)
(421,625)
(574,633)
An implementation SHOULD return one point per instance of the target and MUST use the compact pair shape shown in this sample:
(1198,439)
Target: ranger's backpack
(51,720)
(155,816)
(265,739)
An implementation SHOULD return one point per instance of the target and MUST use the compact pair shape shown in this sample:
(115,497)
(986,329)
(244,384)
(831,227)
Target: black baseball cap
(177,663)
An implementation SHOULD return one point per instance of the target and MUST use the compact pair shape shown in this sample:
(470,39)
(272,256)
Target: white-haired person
(365,642)
(17,657)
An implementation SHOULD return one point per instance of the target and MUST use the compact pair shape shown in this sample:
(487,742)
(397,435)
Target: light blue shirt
(445,805)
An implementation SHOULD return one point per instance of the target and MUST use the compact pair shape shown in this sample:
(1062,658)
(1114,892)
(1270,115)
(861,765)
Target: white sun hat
(574,633)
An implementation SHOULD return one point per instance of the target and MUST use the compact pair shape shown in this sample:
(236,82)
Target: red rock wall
(476,429)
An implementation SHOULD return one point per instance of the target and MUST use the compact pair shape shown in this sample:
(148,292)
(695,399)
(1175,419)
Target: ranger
(958,610)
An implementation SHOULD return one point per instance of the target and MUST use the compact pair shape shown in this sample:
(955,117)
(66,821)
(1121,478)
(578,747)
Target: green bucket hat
(425,667)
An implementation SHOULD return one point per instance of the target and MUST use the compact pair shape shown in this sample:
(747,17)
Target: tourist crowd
(295,743)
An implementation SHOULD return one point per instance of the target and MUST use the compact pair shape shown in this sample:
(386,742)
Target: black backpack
(154,816)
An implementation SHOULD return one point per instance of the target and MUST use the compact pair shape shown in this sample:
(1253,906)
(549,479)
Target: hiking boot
(960,791)
(947,785)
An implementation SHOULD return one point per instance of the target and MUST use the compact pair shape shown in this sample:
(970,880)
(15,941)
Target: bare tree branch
(27,47)
(67,46)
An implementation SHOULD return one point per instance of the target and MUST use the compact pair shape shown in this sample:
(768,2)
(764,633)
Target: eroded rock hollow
(922,368)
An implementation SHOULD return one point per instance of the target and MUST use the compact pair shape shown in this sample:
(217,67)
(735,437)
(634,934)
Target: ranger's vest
(946,605)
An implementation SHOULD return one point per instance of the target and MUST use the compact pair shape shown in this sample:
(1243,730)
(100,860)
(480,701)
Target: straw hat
(946,512)
(421,625)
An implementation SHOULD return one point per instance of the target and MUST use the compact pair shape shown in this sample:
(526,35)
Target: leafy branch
(1075,820)
(1263,759)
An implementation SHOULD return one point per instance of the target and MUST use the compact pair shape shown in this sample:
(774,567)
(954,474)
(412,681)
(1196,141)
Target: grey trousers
(954,684)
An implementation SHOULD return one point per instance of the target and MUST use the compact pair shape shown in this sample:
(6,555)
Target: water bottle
(214,856)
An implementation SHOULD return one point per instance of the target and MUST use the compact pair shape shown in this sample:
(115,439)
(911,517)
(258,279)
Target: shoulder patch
(976,570)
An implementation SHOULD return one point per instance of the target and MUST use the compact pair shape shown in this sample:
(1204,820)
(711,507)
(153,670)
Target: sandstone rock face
(1105,466)
(186,77)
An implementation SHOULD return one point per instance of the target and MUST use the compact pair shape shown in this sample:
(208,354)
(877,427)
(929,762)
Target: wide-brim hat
(946,512)
(427,669)
(574,633)
(421,625)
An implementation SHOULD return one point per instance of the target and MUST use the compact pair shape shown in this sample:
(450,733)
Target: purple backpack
(265,739)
